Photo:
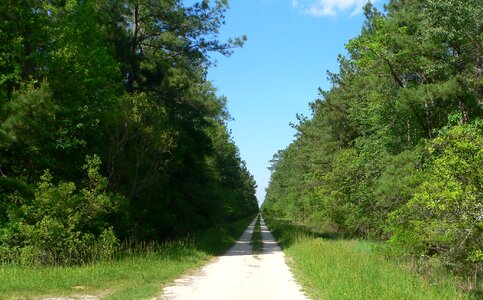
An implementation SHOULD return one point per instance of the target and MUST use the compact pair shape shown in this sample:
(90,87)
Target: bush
(61,224)
(445,215)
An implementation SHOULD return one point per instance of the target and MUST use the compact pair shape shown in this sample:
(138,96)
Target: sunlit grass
(333,268)
(135,274)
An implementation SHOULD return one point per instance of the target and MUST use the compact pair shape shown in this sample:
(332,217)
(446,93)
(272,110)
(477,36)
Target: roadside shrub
(445,215)
(62,224)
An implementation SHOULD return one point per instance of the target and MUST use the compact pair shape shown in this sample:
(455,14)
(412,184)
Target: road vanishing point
(241,275)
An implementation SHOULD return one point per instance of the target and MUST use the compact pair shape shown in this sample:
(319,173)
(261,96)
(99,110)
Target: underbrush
(138,270)
(331,267)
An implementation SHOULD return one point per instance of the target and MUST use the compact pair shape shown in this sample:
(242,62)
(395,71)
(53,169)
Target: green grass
(329,267)
(257,240)
(137,274)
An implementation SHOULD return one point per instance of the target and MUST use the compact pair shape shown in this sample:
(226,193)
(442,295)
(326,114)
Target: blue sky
(291,44)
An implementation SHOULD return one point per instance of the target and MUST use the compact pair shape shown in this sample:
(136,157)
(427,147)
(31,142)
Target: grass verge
(329,267)
(257,240)
(135,274)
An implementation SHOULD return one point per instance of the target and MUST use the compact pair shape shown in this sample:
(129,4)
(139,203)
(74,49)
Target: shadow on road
(244,245)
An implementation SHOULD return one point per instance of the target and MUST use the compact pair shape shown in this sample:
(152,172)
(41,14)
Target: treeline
(394,150)
(110,130)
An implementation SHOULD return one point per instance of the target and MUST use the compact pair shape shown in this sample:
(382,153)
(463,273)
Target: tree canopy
(109,128)
(393,150)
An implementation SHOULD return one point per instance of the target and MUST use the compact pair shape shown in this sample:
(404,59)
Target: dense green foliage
(109,128)
(394,149)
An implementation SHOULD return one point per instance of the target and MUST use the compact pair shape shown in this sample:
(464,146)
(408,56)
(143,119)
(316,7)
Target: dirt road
(240,275)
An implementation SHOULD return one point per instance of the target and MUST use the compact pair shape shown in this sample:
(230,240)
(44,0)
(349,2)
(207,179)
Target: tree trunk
(464,110)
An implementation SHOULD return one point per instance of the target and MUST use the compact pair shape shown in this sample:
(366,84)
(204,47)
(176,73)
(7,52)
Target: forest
(393,150)
(110,131)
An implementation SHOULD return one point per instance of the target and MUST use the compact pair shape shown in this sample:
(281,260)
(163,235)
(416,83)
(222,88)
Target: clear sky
(291,44)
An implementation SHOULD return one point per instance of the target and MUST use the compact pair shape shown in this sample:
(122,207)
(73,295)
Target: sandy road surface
(240,275)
